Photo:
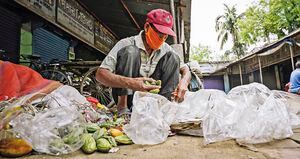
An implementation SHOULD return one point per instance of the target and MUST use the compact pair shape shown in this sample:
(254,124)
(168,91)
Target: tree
(201,53)
(268,18)
(226,25)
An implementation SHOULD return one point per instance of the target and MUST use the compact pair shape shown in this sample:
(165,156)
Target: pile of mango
(155,83)
(103,137)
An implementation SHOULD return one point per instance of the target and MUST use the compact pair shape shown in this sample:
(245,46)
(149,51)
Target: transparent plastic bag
(250,114)
(151,117)
(54,131)
(195,105)
(293,107)
(67,96)
(55,126)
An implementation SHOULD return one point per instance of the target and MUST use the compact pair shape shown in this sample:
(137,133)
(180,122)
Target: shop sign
(72,16)
(44,8)
(104,40)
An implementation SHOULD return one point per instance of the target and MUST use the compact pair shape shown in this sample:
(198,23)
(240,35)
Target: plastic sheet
(151,116)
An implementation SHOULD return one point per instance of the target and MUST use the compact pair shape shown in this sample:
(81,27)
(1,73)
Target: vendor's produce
(123,139)
(73,136)
(99,133)
(107,124)
(111,140)
(13,147)
(106,136)
(155,83)
(103,145)
(154,91)
(56,145)
(115,132)
(89,145)
(92,127)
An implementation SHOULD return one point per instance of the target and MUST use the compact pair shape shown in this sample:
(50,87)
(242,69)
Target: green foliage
(226,25)
(267,18)
(201,53)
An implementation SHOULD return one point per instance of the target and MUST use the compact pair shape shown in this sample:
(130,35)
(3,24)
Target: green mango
(147,83)
(103,145)
(119,121)
(154,91)
(123,139)
(111,140)
(71,138)
(92,127)
(57,144)
(106,124)
(158,82)
(89,144)
(99,133)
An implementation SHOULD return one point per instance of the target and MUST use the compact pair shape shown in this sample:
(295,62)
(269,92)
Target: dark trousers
(129,62)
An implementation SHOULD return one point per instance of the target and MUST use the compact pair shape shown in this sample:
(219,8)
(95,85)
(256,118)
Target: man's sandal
(124,113)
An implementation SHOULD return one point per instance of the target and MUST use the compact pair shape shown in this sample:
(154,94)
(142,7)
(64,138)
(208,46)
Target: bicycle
(54,71)
(4,56)
(89,86)
(50,70)
(33,61)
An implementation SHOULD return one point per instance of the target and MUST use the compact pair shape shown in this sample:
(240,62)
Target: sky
(203,18)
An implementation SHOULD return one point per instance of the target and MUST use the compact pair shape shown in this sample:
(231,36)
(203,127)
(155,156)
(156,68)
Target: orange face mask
(153,39)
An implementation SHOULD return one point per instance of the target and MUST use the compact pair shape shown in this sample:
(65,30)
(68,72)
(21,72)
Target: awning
(273,50)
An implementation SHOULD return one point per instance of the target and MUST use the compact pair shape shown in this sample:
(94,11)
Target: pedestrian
(294,86)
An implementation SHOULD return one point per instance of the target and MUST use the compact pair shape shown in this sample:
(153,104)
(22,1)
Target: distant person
(295,80)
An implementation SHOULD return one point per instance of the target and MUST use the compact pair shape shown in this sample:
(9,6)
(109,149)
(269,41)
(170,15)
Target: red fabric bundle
(17,80)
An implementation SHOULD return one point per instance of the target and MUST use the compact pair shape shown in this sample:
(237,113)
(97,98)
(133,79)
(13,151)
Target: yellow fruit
(14,147)
(115,132)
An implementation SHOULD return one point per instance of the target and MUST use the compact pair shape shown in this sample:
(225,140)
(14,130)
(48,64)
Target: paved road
(187,147)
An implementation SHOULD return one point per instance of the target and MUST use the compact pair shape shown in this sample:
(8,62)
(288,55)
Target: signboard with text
(104,40)
(44,8)
(76,19)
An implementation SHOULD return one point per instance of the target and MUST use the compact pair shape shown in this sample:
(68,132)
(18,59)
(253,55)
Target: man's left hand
(178,94)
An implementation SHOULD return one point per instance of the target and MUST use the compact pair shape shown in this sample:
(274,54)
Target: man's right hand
(139,84)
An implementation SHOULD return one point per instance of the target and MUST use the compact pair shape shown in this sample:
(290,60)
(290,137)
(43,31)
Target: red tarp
(17,80)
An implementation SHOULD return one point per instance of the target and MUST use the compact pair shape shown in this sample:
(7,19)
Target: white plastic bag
(56,128)
(251,114)
(195,105)
(55,131)
(151,116)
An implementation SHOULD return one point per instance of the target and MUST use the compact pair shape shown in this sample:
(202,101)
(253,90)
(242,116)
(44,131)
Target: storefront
(10,25)
(52,30)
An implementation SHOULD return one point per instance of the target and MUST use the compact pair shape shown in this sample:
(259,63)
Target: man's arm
(183,84)
(110,79)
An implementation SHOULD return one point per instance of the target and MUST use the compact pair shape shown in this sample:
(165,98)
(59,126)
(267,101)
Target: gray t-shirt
(148,63)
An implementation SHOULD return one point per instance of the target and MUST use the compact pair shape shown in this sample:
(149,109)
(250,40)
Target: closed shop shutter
(49,46)
(10,26)
(214,82)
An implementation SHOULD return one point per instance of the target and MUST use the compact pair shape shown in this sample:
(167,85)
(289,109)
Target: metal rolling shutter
(49,46)
(10,25)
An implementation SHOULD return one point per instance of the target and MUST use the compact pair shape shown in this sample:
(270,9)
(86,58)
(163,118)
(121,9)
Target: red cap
(162,20)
